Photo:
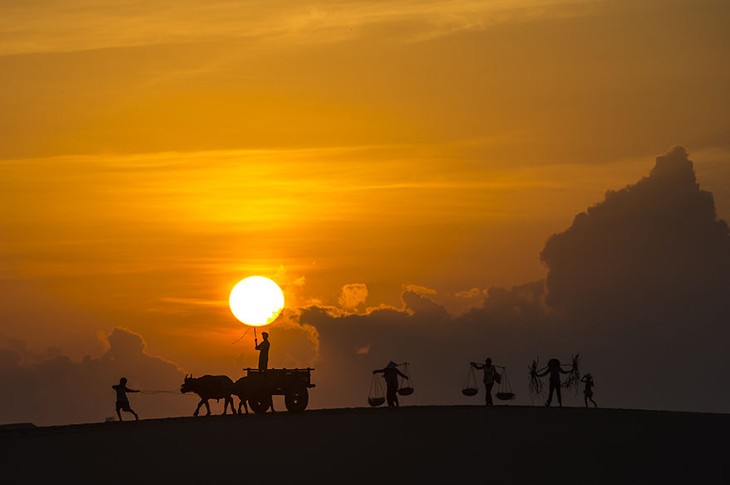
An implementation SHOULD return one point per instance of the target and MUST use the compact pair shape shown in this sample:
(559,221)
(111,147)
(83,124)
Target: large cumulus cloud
(639,284)
(49,388)
(644,277)
(651,246)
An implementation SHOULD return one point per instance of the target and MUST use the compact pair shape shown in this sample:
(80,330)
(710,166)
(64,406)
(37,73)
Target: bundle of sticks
(536,372)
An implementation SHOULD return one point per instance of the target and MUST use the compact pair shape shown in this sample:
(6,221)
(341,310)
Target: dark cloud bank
(639,285)
(53,389)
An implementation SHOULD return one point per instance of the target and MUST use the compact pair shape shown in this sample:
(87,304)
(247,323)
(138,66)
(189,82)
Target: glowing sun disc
(256,301)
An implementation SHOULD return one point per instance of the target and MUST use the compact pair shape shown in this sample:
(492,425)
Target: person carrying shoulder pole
(390,374)
(490,376)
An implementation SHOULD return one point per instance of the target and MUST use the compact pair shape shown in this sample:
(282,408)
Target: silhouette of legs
(488,397)
(554,388)
(124,406)
(392,397)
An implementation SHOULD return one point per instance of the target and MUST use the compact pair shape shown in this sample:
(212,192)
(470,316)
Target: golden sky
(154,153)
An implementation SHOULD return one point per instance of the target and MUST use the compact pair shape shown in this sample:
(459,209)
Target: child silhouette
(122,399)
(588,389)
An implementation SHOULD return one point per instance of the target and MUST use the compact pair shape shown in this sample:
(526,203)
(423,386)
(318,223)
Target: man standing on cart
(263,349)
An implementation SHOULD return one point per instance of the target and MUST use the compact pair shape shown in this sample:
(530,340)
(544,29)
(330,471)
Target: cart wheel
(297,399)
(259,404)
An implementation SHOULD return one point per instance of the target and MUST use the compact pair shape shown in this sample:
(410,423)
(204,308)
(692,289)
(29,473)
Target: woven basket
(376,401)
(505,396)
(470,391)
(405,391)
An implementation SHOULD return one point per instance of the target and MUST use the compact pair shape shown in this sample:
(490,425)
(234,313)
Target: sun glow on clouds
(174,211)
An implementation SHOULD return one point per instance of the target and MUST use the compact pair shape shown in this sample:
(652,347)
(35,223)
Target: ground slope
(409,445)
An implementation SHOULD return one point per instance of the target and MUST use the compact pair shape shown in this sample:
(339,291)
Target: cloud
(655,244)
(46,26)
(50,388)
(419,289)
(643,278)
(353,295)
(423,307)
(470,293)
(639,285)
(196,302)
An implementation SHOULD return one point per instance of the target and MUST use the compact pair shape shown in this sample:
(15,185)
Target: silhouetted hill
(429,444)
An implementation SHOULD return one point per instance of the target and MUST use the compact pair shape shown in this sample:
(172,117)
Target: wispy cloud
(194,301)
(49,26)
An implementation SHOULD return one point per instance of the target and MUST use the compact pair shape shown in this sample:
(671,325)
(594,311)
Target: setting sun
(256,300)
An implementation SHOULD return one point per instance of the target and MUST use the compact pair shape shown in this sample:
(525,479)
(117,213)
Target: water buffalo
(254,391)
(210,387)
(243,389)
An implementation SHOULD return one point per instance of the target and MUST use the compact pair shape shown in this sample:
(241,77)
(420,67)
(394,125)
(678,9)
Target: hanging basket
(376,401)
(376,396)
(505,396)
(470,386)
(405,385)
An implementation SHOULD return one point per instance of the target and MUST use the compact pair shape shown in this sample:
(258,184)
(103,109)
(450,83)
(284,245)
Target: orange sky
(152,154)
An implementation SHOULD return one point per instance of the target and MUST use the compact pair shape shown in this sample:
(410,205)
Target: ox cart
(293,384)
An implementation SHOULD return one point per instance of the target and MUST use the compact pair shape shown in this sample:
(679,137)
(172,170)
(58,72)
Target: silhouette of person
(490,375)
(390,374)
(554,369)
(588,389)
(122,399)
(263,349)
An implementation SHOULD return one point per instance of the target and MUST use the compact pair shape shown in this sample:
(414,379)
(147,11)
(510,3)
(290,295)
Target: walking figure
(263,349)
(390,374)
(554,369)
(490,376)
(122,399)
(588,389)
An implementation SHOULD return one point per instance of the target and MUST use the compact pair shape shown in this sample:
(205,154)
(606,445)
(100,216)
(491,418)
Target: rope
(160,392)
(376,387)
(244,334)
(407,381)
(504,385)
(471,379)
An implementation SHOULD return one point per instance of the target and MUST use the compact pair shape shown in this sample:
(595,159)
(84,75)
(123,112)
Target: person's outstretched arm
(477,366)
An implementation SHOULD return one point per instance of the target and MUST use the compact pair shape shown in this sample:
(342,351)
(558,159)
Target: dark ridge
(411,444)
